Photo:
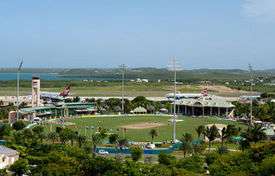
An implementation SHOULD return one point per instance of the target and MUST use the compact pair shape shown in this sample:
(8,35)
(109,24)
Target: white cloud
(260,9)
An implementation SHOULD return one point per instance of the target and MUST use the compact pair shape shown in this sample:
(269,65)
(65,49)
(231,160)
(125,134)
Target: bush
(166,159)
(261,150)
(232,163)
(267,167)
(193,163)
(136,153)
(20,167)
(211,158)
(223,150)
(5,130)
(19,125)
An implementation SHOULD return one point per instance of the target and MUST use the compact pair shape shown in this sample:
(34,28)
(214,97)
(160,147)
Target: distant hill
(151,73)
(164,74)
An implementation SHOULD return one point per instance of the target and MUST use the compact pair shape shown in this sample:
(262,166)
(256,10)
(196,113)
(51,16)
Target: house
(7,156)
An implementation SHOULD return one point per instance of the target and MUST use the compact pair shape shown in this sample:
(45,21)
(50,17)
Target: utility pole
(17,89)
(174,67)
(251,89)
(123,70)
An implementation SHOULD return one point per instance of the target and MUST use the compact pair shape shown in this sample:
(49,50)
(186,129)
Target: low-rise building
(58,110)
(7,156)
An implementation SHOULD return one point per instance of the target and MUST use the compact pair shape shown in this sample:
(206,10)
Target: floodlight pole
(123,67)
(17,89)
(251,100)
(175,91)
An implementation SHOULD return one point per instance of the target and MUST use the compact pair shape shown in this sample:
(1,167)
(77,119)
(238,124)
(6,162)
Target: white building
(7,156)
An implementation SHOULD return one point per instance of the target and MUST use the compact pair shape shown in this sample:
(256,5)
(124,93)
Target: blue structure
(114,150)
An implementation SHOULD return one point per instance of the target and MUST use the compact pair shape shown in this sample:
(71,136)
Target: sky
(143,33)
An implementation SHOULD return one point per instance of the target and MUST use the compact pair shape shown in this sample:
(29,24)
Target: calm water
(45,76)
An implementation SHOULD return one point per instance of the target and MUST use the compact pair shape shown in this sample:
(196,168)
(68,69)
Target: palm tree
(254,133)
(200,130)
(96,140)
(211,133)
(228,132)
(113,138)
(187,137)
(81,140)
(153,133)
(122,143)
(186,141)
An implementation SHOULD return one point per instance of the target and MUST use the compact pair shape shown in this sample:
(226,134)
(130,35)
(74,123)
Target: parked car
(103,152)
(36,120)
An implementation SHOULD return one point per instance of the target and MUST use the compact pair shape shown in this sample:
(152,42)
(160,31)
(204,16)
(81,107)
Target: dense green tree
(39,132)
(53,136)
(267,166)
(143,102)
(237,163)
(228,132)
(96,139)
(20,167)
(58,129)
(67,135)
(166,159)
(193,163)
(254,133)
(3,172)
(5,130)
(4,111)
(19,125)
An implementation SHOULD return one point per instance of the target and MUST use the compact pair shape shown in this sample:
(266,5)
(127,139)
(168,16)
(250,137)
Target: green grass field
(80,88)
(88,125)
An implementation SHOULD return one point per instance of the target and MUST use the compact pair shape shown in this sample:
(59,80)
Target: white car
(103,152)
(36,120)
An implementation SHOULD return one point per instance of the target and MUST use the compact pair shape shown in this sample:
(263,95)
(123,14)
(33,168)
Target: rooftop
(7,151)
(209,101)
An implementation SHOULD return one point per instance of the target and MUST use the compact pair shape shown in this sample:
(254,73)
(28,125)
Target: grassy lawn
(88,125)
(105,89)
(99,89)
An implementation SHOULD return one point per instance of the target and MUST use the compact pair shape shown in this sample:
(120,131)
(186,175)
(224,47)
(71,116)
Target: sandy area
(144,125)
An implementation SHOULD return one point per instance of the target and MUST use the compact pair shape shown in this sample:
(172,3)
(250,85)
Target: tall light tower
(123,70)
(17,88)
(174,66)
(251,89)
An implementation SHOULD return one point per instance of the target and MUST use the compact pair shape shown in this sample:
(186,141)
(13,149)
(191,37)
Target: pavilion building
(204,106)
